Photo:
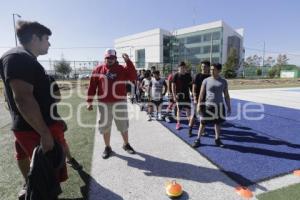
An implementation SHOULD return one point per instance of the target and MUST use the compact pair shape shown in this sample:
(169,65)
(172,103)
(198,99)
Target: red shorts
(26,141)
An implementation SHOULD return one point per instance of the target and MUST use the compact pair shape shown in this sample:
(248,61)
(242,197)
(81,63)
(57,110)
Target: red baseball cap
(110,53)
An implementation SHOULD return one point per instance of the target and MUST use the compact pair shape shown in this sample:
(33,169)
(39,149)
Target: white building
(211,41)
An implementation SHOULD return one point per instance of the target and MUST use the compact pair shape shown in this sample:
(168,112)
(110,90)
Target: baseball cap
(110,53)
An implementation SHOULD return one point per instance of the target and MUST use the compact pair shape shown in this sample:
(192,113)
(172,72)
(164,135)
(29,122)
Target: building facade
(212,41)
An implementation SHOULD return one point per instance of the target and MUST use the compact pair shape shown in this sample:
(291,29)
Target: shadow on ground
(153,166)
(93,190)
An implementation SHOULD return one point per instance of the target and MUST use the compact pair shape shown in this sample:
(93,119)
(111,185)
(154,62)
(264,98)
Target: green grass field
(287,193)
(81,142)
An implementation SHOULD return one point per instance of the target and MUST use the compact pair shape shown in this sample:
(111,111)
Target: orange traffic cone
(297,172)
(244,192)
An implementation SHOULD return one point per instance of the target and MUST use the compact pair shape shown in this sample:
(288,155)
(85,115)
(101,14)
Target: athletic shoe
(128,148)
(149,118)
(167,119)
(159,118)
(190,131)
(107,152)
(74,164)
(178,126)
(196,143)
(219,143)
(22,193)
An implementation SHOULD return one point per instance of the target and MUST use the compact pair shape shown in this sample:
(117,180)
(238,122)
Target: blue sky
(94,23)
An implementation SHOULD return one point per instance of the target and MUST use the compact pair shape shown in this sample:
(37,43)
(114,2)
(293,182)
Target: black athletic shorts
(213,114)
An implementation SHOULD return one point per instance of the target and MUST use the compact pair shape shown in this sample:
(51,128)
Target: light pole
(14,14)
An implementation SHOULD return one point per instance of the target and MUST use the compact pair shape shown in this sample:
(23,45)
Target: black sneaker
(74,164)
(128,148)
(22,193)
(219,143)
(190,132)
(196,143)
(107,152)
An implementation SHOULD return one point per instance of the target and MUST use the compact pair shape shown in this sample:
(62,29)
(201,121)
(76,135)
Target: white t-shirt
(157,88)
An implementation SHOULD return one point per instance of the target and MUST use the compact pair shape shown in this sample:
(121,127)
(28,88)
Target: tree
(232,64)
(63,67)
(282,60)
(269,62)
(253,61)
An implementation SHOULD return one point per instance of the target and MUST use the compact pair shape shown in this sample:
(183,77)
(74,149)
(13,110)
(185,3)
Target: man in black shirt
(27,90)
(205,72)
(181,91)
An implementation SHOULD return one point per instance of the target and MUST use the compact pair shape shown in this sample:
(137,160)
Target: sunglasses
(110,58)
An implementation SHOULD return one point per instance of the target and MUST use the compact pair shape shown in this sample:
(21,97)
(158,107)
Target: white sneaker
(149,118)
(159,117)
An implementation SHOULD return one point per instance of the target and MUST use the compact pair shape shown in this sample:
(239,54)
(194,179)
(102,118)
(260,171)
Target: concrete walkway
(161,157)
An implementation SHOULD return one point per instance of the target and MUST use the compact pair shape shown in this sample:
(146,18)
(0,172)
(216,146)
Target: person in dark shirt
(27,89)
(181,91)
(205,72)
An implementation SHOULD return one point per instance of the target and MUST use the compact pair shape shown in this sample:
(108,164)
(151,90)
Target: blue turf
(278,122)
(255,150)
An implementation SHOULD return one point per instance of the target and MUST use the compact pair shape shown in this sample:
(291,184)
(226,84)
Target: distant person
(139,85)
(27,89)
(153,69)
(158,89)
(213,112)
(171,102)
(146,94)
(108,81)
(181,92)
(197,82)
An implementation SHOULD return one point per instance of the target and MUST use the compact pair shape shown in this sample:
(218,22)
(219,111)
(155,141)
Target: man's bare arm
(30,111)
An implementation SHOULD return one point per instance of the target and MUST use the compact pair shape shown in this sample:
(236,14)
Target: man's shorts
(213,114)
(26,141)
(118,112)
(157,103)
(184,104)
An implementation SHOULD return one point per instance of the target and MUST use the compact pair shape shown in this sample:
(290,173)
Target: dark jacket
(42,179)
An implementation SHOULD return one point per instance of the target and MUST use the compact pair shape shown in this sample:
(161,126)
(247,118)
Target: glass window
(216,35)
(216,48)
(206,49)
(206,37)
(215,59)
(140,57)
(193,39)
(194,50)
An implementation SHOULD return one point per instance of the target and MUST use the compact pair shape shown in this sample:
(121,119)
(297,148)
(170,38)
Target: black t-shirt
(21,64)
(183,83)
(198,82)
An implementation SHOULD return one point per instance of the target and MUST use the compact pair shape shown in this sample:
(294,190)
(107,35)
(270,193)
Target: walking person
(158,89)
(212,90)
(197,82)
(108,82)
(181,92)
